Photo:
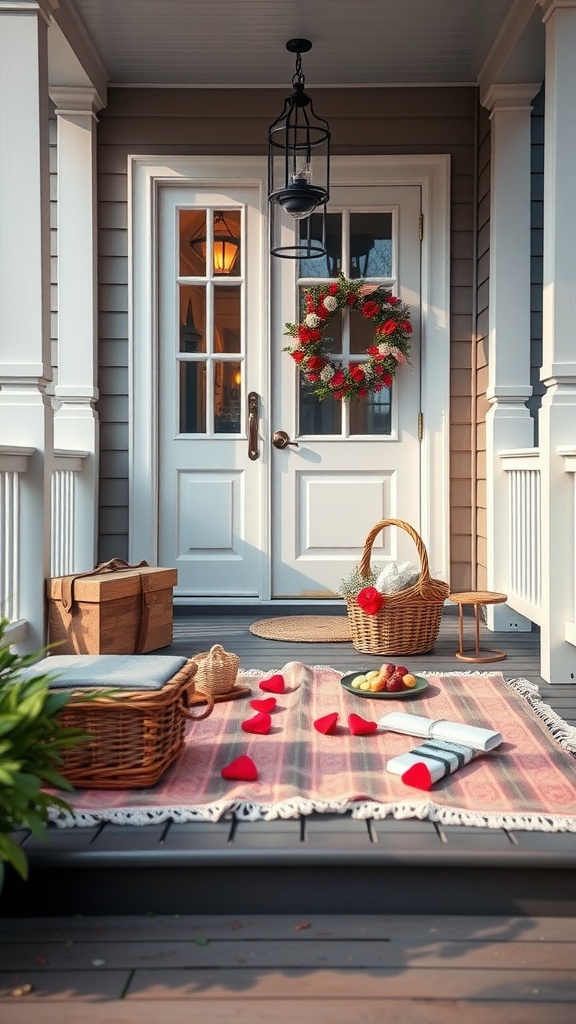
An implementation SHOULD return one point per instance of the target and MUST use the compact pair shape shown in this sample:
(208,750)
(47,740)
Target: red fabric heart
(266,704)
(259,723)
(242,768)
(327,724)
(418,776)
(275,684)
(361,726)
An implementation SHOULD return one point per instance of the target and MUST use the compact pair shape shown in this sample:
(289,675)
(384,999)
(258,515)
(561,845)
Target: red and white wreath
(325,377)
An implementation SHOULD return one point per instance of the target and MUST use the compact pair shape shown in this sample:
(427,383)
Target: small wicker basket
(409,621)
(217,671)
(135,735)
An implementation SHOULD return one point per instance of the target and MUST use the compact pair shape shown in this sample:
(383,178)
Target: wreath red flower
(310,347)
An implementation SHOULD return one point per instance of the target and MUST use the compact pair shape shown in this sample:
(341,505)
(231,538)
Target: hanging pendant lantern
(299,161)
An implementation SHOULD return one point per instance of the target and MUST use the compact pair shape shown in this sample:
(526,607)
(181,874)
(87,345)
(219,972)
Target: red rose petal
(242,768)
(275,684)
(361,726)
(418,776)
(327,724)
(259,723)
(266,704)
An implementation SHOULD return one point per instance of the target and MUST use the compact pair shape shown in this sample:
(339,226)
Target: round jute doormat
(311,629)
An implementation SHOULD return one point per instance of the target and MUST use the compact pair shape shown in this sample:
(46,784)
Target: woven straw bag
(409,621)
(217,671)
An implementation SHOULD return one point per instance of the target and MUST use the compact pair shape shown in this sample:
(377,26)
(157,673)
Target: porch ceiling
(225,43)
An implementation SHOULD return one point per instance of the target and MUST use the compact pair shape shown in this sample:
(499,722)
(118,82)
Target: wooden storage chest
(115,609)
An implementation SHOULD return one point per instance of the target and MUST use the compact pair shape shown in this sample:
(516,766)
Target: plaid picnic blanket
(528,782)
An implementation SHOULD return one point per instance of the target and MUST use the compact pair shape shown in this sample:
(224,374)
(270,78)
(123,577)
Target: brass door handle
(252,425)
(280,439)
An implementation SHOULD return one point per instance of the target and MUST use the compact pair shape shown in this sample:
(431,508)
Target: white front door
(351,464)
(211,315)
(210,494)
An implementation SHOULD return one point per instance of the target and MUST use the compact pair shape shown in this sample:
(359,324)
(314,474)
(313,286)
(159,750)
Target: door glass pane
(322,266)
(319,417)
(227,319)
(191,227)
(227,381)
(372,415)
(362,333)
(226,255)
(192,318)
(370,245)
(192,397)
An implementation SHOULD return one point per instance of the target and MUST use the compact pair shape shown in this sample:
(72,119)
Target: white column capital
(42,7)
(74,100)
(549,7)
(517,96)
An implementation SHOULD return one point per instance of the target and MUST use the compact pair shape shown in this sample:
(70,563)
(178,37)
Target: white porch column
(26,416)
(557,417)
(76,418)
(508,422)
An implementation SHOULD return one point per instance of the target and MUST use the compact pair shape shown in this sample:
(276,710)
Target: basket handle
(364,566)
(429,589)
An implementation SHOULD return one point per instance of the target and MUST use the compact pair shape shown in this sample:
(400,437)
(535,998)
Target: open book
(440,729)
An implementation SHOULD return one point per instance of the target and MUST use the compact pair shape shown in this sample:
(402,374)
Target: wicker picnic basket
(135,734)
(409,621)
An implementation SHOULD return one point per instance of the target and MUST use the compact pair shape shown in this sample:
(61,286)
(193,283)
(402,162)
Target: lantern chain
(298,76)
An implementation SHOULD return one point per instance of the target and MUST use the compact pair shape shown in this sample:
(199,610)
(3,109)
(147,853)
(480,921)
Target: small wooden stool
(476,598)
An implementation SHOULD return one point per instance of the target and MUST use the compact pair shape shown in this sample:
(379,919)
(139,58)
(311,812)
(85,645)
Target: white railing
(524,588)
(67,466)
(13,462)
(568,454)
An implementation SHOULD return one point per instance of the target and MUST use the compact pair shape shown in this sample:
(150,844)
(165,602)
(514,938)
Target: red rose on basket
(388,327)
(370,600)
(357,373)
(338,379)
(298,355)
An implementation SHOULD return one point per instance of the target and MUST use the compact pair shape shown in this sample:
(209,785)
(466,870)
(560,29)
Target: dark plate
(421,684)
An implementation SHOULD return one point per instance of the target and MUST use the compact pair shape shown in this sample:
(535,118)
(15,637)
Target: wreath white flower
(391,345)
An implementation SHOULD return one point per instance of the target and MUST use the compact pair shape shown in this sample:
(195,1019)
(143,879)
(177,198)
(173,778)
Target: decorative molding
(518,96)
(76,100)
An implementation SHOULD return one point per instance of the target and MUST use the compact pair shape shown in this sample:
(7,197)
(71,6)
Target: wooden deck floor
(316,969)
(318,863)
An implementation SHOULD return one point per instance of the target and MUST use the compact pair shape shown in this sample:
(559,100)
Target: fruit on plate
(409,680)
(373,673)
(358,680)
(395,683)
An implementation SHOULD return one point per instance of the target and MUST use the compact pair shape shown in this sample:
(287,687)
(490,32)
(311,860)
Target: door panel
(354,463)
(211,315)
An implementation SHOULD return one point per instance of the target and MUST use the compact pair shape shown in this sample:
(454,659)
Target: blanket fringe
(246,810)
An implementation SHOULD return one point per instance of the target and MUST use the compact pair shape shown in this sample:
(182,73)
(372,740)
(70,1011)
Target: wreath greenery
(310,348)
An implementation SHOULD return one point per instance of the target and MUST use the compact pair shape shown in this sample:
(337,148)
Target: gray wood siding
(480,379)
(362,121)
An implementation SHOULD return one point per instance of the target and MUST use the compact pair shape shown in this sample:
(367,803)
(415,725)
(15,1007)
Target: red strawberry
(266,704)
(395,683)
(327,724)
(402,670)
(361,726)
(242,768)
(418,775)
(275,684)
(259,723)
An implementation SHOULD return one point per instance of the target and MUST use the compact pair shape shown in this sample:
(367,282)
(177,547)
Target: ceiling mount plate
(298,45)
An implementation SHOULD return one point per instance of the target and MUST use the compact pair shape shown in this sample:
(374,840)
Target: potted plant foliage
(31,744)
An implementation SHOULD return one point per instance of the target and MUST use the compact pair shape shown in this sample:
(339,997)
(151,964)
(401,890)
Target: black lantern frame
(299,182)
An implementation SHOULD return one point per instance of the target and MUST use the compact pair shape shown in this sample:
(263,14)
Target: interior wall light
(299,161)
(225,244)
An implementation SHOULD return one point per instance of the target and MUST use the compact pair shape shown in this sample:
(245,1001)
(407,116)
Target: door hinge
(421,226)
(420,425)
